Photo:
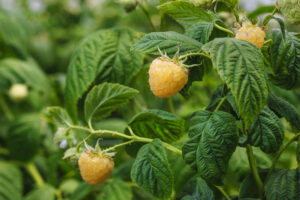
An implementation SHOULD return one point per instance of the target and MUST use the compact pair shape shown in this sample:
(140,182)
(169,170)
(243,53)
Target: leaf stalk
(223,29)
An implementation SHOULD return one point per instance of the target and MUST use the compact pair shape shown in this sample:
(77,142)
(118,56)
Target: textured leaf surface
(283,184)
(200,31)
(201,191)
(105,98)
(11,182)
(168,42)
(285,60)
(102,56)
(18,71)
(266,131)
(60,116)
(157,124)
(24,136)
(240,64)
(284,109)
(185,13)
(151,170)
(213,139)
(116,190)
(46,193)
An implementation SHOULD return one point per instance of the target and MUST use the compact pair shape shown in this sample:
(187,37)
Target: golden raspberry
(167,77)
(95,168)
(253,34)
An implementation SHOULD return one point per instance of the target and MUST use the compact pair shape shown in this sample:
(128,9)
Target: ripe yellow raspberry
(167,77)
(95,168)
(253,34)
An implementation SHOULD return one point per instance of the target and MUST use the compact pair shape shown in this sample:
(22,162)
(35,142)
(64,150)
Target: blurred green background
(40,35)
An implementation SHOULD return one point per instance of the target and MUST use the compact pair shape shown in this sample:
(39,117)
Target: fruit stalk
(133,137)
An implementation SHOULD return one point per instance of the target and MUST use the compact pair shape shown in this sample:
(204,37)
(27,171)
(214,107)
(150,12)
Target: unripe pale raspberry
(290,10)
(18,92)
(167,77)
(253,34)
(95,168)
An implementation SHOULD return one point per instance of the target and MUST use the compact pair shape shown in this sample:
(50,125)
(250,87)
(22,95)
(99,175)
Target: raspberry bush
(145,100)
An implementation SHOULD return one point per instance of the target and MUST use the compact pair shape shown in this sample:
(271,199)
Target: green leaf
(195,74)
(284,109)
(249,188)
(151,170)
(229,105)
(261,10)
(157,124)
(168,42)
(201,191)
(213,139)
(116,190)
(102,56)
(71,152)
(24,135)
(240,64)
(266,131)
(183,172)
(105,98)
(68,186)
(185,13)
(81,191)
(46,192)
(14,32)
(283,184)
(60,116)
(11,182)
(200,31)
(205,31)
(285,60)
(18,71)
